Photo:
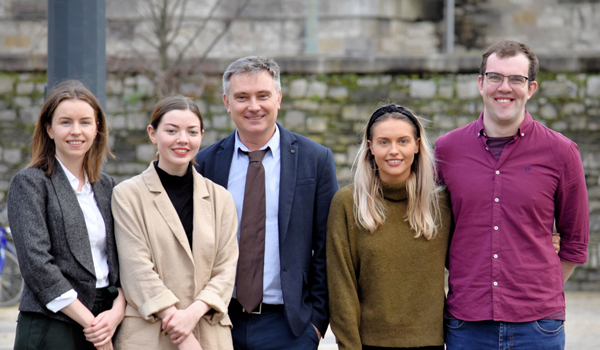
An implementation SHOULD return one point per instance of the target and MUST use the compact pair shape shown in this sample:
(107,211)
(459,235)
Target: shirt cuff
(62,301)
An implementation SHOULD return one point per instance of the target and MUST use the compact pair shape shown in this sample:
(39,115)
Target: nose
(76,129)
(394,149)
(505,85)
(182,137)
(253,105)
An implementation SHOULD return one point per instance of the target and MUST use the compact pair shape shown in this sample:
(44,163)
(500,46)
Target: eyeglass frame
(506,76)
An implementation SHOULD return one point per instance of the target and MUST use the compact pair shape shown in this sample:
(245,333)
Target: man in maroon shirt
(510,180)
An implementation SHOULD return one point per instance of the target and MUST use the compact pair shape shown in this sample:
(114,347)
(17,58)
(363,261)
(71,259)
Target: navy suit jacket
(308,183)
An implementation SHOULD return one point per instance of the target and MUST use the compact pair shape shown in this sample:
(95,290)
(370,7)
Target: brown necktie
(249,281)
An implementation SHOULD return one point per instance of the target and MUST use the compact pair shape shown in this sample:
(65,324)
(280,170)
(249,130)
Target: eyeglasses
(514,80)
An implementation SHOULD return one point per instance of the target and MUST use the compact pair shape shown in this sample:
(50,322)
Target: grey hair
(252,65)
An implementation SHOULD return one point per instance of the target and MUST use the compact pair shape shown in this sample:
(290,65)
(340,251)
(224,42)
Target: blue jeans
(488,335)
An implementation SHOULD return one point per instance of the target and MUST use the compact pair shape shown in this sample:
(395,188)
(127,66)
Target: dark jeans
(540,334)
(36,331)
(438,347)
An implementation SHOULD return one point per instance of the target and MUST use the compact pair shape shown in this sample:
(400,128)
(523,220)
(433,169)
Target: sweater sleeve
(341,275)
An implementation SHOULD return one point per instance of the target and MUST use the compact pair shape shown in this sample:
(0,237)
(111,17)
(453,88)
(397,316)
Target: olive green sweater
(386,288)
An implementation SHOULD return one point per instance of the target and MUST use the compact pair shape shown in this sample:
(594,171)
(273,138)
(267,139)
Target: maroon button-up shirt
(502,264)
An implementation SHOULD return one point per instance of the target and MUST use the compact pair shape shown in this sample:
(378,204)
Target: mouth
(254,118)
(75,142)
(181,151)
(394,162)
(504,100)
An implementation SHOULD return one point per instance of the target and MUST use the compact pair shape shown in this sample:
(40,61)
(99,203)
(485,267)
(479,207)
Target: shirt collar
(273,145)
(523,130)
(87,187)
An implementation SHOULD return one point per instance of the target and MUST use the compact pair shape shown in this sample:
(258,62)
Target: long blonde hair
(423,193)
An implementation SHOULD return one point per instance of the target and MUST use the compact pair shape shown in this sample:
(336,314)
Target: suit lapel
(204,241)
(102,194)
(287,182)
(223,161)
(74,222)
(165,207)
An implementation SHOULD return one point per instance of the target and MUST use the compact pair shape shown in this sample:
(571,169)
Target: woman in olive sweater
(387,238)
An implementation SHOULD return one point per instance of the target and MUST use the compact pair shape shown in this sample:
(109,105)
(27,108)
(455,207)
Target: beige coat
(158,268)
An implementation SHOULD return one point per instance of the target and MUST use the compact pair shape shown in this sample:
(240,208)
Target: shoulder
(31,174)
(554,138)
(456,134)
(344,197)
(129,186)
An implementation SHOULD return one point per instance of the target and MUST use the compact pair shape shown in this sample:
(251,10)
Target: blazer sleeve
(327,186)
(217,292)
(144,289)
(27,214)
(341,277)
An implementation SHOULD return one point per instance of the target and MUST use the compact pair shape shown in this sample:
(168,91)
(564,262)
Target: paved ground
(582,326)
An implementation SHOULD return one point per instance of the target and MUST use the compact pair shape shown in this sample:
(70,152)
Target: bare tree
(168,21)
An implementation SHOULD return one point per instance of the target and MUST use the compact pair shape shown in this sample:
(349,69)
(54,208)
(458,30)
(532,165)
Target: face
(178,138)
(73,130)
(504,104)
(394,147)
(253,104)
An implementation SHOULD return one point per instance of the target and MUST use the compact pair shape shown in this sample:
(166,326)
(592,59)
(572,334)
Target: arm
(571,209)
(327,186)
(145,290)
(567,269)
(341,277)
(27,213)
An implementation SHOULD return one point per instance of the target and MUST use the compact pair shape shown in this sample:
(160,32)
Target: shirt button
(523,134)
(497,172)
(495,283)
(487,149)
(496,200)
(495,256)
(496,228)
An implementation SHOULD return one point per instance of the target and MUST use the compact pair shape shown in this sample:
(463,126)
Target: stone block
(294,120)
(22,101)
(30,115)
(367,81)
(217,108)
(398,96)
(317,89)
(298,88)
(202,107)
(220,121)
(4,185)
(344,174)
(422,88)
(533,107)
(40,88)
(548,111)
(145,152)
(316,124)
(4,169)
(467,86)
(578,123)
(306,105)
(115,104)
(338,92)
(25,88)
(12,156)
(114,87)
(559,126)
(145,85)
(339,159)
(593,86)
(131,168)
(553,88)
(210,137)
(117,122)
(191,89)
(444,121)
(8,115)
(351,152)
(129,81)
(446,89)
(354,112)
(137,121)
(463,120)
(7,85)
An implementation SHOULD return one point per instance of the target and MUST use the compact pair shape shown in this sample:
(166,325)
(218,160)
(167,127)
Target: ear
(279,100)
(226,103)
(152,134)
(531,89)
(49,131)
(370,149)
(417,146)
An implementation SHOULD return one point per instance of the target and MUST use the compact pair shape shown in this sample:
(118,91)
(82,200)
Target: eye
(65,122)
(383,142)
(194,132)
(241,98)
(264,96)
(495,78)
(85,122)
(170,131)
(403,142)
(517,79)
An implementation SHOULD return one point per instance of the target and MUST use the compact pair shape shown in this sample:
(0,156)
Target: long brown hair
(43,148)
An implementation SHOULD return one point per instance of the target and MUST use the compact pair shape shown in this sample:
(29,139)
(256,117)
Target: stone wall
(330,109)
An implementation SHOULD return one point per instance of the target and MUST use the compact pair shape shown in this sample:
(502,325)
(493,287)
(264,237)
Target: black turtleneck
(180,190)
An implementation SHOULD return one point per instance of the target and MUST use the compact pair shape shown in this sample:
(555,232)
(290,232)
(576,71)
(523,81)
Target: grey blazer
(51,238)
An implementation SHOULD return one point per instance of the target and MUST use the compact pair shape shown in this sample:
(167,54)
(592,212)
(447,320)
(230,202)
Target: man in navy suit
(300,182)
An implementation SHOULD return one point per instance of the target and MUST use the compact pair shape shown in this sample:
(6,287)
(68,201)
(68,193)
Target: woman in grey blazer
(60,216)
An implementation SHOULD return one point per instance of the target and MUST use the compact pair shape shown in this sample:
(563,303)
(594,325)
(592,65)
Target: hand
(189,343)
(556,242)
(107,346)
(316,330)
(180,324)
(104,325)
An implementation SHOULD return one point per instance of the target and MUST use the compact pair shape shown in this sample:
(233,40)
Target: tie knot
(257,156)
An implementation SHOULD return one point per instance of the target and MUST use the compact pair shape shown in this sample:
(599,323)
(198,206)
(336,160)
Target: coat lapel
(287,182)
(165,207)
(74,222)
(204,232)
(223,161)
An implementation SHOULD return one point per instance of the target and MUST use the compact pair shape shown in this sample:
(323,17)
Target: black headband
(392,108)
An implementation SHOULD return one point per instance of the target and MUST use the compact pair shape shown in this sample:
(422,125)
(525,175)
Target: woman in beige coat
(177,244)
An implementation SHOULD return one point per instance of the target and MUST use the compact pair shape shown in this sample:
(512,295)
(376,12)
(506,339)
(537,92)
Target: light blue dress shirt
(236,185)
